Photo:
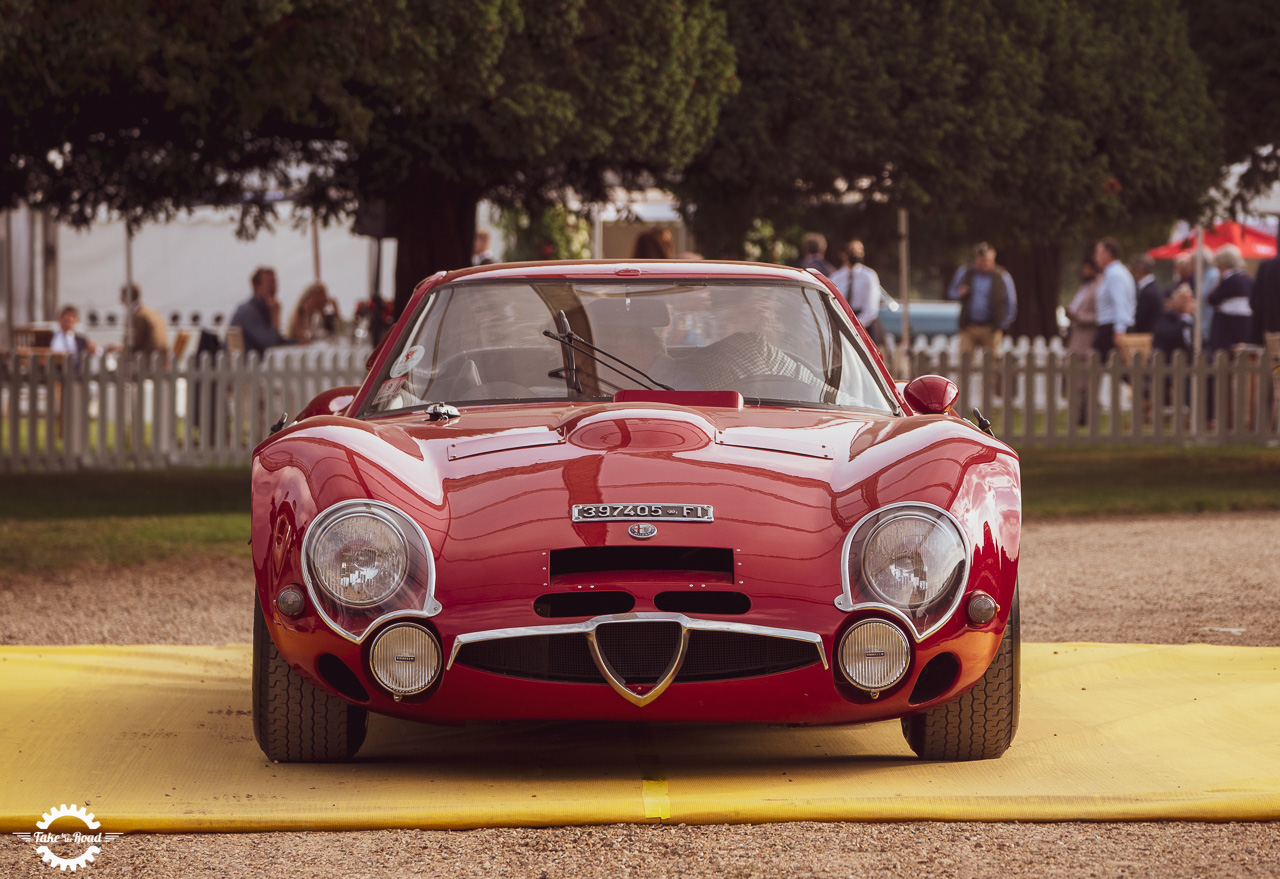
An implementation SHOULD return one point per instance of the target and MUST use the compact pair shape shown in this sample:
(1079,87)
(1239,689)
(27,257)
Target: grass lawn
(1088,482)
(50,521)
(56,520)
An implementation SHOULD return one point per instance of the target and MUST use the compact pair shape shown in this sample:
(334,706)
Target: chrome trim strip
(845,602)
(430,607)
(508,441)
(771,441)
(589,626)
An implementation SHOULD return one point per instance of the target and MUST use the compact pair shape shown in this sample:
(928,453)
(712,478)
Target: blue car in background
(929,317)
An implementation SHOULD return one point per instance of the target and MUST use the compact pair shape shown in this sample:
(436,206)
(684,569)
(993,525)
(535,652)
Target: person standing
(655,243)
(988,301)
(1265,301)
(1232,314)
(145,331)
(481,255)
(259,317)
(1150,299)
(860,286)
(67,341)
(1173,332)
(315,318)
(814,254)
(1117,296)
(1174,328)
(1083,310)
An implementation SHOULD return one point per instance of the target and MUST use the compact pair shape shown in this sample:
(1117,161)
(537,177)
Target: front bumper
(572,671)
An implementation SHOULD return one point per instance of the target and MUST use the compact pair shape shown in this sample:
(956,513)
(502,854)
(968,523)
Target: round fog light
(405,658)
(290,602)
(982,608)
(874,655)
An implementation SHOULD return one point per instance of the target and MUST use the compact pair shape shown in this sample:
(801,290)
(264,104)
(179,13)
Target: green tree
(146,108)
(1024,123)
(1124,139)
(860,99)
(1236,41)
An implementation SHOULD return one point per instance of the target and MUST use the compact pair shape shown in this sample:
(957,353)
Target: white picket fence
(1040,395)
(125,414)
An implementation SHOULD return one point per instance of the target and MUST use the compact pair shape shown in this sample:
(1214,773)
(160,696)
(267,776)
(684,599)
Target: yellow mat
(159,739)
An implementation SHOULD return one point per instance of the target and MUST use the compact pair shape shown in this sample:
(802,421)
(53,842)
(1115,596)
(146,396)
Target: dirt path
(1174,580)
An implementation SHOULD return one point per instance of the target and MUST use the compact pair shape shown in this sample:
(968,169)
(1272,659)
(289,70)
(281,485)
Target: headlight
(358,555)
(911,559)
(405,658)
(874,655)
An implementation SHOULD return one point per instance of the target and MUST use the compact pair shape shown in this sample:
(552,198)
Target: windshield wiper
(571,341)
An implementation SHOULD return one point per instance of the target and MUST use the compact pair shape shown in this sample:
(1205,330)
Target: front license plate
(645,512)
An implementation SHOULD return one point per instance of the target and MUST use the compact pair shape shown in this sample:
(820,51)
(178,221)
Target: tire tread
(293,721)
(980,724)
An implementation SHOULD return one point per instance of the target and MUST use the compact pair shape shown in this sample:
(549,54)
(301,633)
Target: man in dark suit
(67,341)
(1265,301)
(1150,302)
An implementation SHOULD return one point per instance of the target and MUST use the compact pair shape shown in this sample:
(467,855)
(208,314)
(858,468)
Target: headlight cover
(912,559)
(364,561)
(358,557)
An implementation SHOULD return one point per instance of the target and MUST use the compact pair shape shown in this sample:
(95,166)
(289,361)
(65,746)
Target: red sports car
(634,491)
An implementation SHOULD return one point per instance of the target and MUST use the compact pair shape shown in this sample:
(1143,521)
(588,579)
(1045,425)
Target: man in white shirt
(1117,296)
(860,286)
(67,341)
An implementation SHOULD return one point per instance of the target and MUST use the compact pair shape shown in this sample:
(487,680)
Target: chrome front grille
(638,651)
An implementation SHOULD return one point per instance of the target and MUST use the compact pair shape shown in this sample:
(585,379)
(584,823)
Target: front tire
(980,725)
(293,721)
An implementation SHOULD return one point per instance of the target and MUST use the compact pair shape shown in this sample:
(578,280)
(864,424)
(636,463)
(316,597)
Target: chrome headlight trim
(414,533)
(333,517)
(845,601)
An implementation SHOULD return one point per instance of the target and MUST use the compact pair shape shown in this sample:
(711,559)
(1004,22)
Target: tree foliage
(1025,122)
(145,107)
(1236,41)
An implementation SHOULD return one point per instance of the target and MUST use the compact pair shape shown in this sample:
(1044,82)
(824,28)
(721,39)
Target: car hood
(520,469)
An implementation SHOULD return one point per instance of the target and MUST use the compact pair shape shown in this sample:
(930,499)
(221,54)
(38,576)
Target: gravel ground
(1169,579)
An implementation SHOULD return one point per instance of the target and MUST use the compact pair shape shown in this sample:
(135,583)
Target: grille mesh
(718,655)
(639,652)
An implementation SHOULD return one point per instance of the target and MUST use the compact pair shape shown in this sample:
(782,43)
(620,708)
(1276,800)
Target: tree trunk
(435,222)
(1037,272)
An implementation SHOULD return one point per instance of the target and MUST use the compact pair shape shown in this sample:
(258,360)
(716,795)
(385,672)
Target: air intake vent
(702,601)
(705,562)
(590,603)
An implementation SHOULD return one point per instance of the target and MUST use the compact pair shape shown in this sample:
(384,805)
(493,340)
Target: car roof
(612,268)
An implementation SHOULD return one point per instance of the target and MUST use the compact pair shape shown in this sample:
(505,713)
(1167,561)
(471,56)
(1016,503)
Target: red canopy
(1253,243)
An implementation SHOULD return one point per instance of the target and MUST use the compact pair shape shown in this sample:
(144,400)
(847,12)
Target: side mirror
(931,394)
(331,402)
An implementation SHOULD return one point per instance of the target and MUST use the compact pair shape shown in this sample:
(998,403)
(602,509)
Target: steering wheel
(776,387)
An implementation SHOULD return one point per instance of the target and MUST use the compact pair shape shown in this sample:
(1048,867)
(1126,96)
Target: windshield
(557,340)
